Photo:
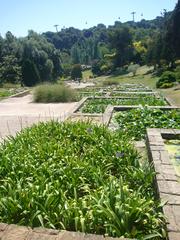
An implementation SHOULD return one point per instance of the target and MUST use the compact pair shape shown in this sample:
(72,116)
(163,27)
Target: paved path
(17,113)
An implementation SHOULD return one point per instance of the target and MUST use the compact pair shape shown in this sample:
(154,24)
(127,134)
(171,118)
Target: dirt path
(20,112)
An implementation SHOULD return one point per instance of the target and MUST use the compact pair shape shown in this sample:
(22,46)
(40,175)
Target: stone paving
(20,112)
(167,184)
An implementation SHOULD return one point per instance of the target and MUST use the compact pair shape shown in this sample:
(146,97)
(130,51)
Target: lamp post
(56,26)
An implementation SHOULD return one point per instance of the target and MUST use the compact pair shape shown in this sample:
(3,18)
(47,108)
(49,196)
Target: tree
(121,41)
(30,74)
(10,70)
(76,72)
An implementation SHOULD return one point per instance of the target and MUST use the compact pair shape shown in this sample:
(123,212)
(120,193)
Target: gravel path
(17,113)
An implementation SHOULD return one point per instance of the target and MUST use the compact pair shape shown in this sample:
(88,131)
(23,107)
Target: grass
(99,105)
(53,93)
(142,77)
(134,122)
(173,94)
(78,177)
(9,90)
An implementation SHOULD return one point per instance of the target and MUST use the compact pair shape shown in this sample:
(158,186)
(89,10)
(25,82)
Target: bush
(47,93)
(167,85)
(167,77)
(76,72)
(178,74)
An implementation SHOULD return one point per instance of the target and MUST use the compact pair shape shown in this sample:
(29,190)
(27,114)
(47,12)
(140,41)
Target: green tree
(121,41)
(76,72)
(30,74)
(10,70)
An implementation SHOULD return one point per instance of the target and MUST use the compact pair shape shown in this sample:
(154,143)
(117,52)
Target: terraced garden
(80,176)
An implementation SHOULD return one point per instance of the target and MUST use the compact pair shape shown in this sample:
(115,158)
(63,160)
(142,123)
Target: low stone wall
(14,232)
(166,182)
(21,94)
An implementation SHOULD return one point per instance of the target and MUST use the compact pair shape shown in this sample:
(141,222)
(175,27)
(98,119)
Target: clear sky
(19,16)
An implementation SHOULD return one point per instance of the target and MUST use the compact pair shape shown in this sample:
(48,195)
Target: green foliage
(177,73)
(167,77)
(10,69)
(121,41)
(134,122)
(30,74)
(78,177)
(48,93)
(76,72)
(99,105)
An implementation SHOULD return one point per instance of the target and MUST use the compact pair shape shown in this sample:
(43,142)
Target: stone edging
(167,185)
(15,232)
(20,94)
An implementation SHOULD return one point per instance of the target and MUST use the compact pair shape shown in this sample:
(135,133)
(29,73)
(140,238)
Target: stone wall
(167,185)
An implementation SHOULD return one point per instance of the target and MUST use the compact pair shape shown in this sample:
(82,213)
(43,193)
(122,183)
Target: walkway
(19,112)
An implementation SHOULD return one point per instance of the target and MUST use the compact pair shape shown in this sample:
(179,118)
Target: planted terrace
(78,177)
(98,105)
(134,122)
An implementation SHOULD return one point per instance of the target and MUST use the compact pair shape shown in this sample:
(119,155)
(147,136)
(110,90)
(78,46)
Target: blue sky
(18,16)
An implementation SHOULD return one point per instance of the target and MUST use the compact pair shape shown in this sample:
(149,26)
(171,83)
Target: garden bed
(134,121)
(78,177)
(166,178)
(98,105)
(133,94)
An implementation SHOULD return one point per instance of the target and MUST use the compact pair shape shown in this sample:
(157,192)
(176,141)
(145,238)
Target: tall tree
(30,74)
(121,41)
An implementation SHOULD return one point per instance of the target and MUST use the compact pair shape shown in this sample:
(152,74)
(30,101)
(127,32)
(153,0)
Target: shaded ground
(20,112)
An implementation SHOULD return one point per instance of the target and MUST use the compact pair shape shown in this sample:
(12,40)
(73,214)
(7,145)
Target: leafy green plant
(78,177)
(167,77)
(130,94)
(95,105)
(134,122)
(47,93)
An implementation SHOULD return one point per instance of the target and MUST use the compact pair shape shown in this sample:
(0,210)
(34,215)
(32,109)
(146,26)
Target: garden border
(16,232)
(166,181)
(20,94)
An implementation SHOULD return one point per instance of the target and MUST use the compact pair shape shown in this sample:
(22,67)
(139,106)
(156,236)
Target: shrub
(76,72)
(178,74)
(47,93)
(167,85)
(167,77)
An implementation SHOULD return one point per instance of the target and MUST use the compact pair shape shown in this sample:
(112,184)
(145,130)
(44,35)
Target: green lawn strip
(78,177)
